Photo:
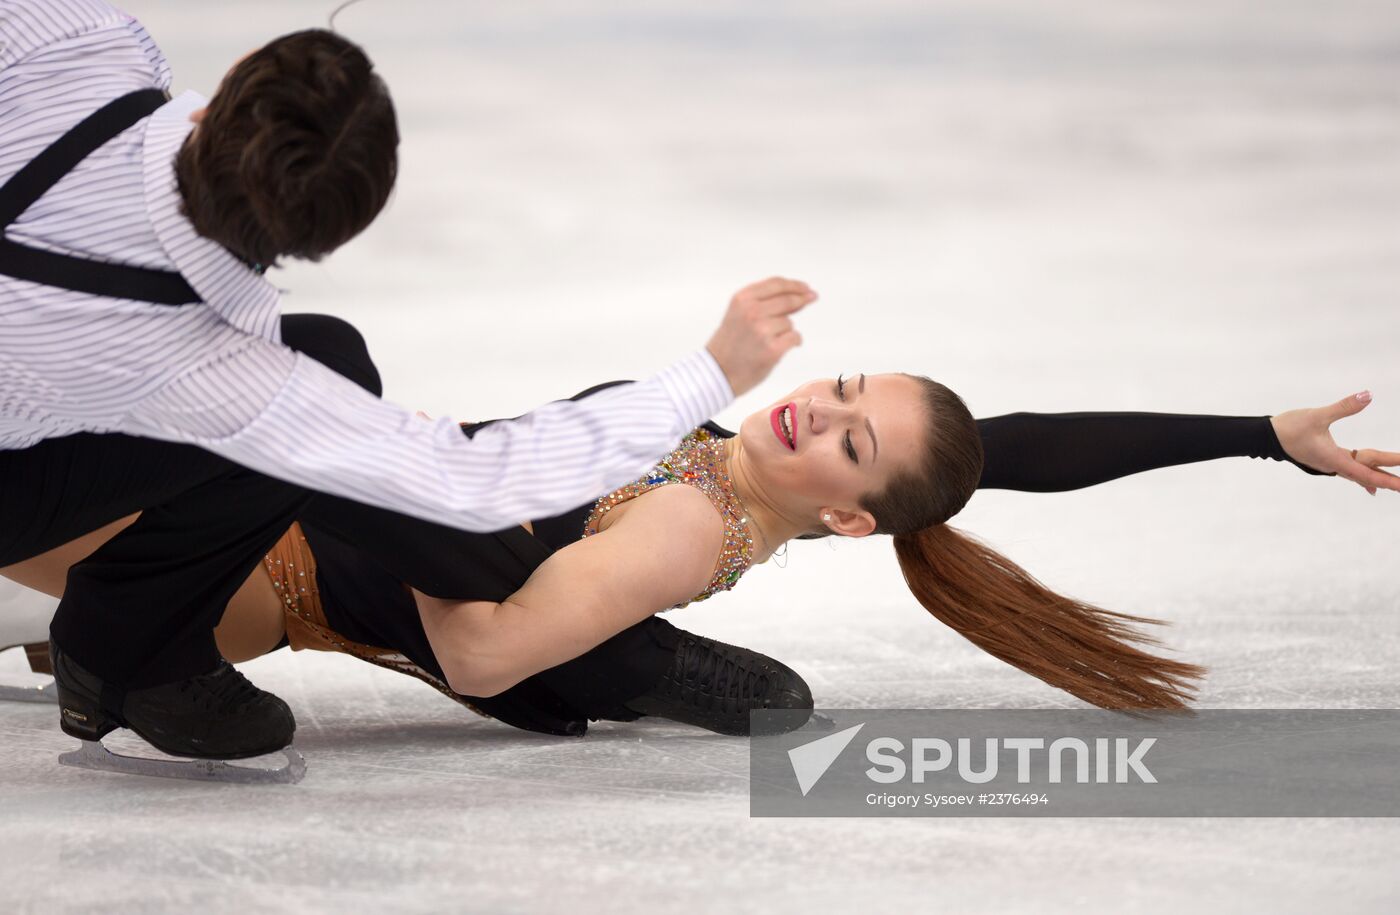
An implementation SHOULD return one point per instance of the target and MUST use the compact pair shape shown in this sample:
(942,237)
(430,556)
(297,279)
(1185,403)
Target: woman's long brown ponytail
(1085,650)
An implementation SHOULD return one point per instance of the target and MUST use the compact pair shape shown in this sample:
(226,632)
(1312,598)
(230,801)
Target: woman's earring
(830,541)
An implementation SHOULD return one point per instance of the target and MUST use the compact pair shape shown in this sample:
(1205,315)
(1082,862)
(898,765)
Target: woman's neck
(772,526)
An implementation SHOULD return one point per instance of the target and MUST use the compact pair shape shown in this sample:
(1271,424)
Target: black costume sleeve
(1055,452)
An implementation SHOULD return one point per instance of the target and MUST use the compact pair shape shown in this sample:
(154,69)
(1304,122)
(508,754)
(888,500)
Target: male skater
(143,363)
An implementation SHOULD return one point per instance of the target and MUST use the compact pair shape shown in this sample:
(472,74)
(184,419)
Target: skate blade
(47,692)
(93,755)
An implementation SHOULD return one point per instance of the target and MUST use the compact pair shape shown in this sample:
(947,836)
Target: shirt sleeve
(27,26)
(286,415)
(1057,452)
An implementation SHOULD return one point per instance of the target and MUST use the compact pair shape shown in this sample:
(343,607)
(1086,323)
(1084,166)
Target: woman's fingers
(1364,470)
(1347,406)
(1373,458)
(1362,467)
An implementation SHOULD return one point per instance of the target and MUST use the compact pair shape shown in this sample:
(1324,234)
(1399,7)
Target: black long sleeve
(1056,452)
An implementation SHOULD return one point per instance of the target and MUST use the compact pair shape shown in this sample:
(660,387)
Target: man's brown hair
(297,152)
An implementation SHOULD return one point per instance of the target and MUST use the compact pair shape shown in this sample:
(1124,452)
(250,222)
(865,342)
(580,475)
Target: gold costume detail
(699,462)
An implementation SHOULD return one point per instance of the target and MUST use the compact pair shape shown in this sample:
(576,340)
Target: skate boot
(714,685)
(212,717)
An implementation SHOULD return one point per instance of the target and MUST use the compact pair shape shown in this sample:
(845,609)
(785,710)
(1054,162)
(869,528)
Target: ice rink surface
(1048,207)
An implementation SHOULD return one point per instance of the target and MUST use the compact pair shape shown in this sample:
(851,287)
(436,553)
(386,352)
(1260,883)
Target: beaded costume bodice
(699,462)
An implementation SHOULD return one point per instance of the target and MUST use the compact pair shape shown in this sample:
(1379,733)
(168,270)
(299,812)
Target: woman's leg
(47,572)
(252,624)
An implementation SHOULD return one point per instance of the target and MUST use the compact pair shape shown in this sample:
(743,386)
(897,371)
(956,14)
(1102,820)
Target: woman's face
(831,441)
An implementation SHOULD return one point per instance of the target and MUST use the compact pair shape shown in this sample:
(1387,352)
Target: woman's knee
(336,344)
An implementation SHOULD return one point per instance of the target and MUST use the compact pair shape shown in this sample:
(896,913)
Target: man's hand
(757,330)
(1305,436)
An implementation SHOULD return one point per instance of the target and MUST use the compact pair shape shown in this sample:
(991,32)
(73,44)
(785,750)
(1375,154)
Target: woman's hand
(1306,438)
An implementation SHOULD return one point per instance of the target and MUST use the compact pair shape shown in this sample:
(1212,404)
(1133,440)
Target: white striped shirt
(216,374)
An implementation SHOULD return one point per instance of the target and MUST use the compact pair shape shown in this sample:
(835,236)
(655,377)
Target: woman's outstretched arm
(1056,452)
(1052,452)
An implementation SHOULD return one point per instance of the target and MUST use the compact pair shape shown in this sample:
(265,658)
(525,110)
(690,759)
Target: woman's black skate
(212,717)
(715,685)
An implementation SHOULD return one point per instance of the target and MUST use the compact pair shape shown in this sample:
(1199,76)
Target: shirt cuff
(697,387)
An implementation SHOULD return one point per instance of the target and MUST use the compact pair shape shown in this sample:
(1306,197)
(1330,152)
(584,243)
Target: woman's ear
(857,523)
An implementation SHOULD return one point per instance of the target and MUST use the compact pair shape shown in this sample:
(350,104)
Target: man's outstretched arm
(286,415)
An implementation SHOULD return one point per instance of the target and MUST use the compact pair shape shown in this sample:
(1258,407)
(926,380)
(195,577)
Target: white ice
(1052,207)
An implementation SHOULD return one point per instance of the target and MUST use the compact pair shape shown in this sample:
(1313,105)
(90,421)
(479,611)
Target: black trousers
(141,609)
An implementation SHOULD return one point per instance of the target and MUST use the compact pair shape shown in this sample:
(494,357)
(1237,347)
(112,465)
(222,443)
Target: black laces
(708,674)
(225,689)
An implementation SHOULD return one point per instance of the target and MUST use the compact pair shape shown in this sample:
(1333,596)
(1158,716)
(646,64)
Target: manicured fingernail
(1364,396)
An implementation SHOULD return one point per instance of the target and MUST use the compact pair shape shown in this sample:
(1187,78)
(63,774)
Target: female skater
(885,454)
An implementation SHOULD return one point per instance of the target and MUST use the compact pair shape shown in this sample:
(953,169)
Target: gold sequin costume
(699,462)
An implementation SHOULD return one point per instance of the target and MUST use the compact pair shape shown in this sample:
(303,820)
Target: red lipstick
(777,419)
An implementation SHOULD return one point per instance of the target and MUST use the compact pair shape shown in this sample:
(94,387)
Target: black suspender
(79,274)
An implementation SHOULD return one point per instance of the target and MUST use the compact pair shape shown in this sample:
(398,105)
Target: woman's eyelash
(841,393)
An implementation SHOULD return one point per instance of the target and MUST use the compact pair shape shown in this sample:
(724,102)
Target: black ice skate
(714,685)
(213,717)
